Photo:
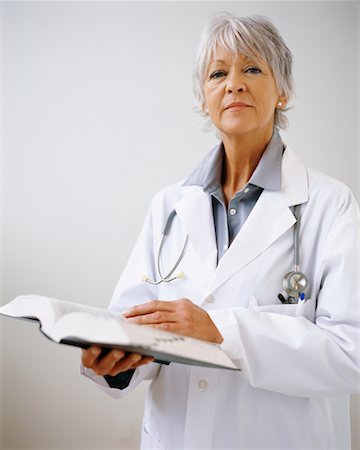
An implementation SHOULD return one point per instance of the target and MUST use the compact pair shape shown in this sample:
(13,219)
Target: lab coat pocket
(149,442)
(293,310)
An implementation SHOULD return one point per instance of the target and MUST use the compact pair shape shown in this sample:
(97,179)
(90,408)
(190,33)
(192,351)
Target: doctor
(232,233)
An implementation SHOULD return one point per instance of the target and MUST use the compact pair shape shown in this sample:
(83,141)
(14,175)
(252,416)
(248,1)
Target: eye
(253,70)
(217,74)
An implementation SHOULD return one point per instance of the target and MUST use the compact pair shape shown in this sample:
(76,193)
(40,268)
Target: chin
(237,129)
(242,127)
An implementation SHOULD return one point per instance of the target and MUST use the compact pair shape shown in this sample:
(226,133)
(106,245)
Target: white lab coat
(299,362)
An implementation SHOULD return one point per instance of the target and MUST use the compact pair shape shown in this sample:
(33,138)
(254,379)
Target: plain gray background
(97,115)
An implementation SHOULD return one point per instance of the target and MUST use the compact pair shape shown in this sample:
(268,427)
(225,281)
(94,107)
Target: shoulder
(331,205)
(329,191)
(321,187)
(327,197)
(319,180)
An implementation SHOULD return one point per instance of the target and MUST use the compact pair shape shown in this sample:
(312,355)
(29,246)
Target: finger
(105,364)
(144,360)
(153,318)
(149,307)
(90,355)
(127,363)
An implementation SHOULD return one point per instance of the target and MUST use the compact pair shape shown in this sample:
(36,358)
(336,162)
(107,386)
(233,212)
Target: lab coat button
(232,212)
(210,299)
(203,384)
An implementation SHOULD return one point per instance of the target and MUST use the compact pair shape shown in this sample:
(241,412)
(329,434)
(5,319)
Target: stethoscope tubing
(297,278)
(167,278)
(296,239)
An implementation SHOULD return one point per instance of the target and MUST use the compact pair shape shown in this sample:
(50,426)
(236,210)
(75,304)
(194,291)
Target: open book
(82,325)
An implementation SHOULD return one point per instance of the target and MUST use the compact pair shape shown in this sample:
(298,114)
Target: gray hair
(248,36)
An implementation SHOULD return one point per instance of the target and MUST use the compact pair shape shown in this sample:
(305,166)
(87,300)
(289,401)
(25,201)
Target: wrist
(218,338)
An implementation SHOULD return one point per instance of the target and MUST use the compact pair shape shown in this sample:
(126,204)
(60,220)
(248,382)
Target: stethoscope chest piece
(294,283)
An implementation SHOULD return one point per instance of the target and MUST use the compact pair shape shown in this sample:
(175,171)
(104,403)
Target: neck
(242,155)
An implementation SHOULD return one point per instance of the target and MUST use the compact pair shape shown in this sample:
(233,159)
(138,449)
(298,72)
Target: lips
(236,105)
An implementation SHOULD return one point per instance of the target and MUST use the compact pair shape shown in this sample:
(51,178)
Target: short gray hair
(248,36)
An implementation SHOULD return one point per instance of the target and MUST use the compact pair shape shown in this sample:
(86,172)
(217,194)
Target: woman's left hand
(179,316)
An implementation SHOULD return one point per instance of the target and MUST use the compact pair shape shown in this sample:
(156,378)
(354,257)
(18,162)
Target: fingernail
(118,354)
(94,351)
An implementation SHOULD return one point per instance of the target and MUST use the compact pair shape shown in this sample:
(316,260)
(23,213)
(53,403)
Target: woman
(235,218)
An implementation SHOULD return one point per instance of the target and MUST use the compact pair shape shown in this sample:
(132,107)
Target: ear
(203,108)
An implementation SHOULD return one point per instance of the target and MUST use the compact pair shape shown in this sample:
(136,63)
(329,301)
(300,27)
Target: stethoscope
(169,276)
(294,282)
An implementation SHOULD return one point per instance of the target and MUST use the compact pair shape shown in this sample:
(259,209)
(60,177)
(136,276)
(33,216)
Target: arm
(292,355)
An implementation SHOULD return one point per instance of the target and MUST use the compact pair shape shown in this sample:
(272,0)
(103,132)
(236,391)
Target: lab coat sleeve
(132,290)
(292,355)
(142,373)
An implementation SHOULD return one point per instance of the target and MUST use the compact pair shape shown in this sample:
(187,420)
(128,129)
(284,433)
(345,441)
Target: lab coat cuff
(147,372)
(101,382)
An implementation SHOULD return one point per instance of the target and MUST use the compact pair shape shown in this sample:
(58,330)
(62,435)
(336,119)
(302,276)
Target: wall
(96,117)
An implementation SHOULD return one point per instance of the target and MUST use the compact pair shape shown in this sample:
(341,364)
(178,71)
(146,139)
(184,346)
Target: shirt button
(246,190)
(210,299)
(203,384)
(232,212)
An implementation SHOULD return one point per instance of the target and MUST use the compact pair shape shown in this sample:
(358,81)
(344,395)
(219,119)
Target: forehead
(223,54)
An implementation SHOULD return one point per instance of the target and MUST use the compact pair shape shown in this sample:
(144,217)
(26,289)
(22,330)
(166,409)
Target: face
(240,94)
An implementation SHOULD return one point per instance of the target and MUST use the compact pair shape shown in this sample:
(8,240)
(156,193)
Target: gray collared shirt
(229,220)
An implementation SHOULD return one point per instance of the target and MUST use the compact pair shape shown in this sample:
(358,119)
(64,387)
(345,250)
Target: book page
(48,311)
(32,307)
(62,308)
(93,325)
(106,327)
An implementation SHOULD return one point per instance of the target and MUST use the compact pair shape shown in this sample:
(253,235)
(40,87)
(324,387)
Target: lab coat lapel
(269,219)
(195,212)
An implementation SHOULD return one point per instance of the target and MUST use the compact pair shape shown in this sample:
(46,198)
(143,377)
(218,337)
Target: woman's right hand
(113,362)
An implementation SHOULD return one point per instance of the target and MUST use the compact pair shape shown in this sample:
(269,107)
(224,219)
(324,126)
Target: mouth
(236,106)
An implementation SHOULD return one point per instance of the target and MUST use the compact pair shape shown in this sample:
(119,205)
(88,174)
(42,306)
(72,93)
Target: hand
(113,362)
(179,316)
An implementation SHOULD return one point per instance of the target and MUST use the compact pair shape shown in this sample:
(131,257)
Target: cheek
(265,93)
(266,103)
(212,96)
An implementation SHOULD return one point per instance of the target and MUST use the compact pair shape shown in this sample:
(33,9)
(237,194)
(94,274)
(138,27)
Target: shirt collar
(267,174)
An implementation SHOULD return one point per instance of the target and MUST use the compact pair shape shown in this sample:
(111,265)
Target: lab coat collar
(270,218)
(294,179)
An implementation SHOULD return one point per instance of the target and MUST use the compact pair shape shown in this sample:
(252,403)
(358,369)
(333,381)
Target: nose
(235,83)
